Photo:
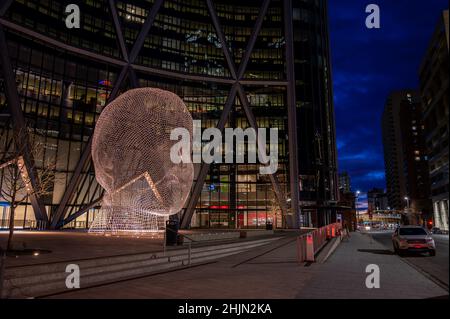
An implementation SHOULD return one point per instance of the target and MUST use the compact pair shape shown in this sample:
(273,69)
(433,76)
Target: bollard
(309,247)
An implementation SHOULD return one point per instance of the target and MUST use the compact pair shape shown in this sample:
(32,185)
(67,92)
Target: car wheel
(432,253)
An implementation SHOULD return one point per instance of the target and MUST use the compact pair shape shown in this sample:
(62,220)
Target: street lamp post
(408,211)
(356,205)
(406,198)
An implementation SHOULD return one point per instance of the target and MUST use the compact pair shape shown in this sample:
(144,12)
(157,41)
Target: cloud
(367,66)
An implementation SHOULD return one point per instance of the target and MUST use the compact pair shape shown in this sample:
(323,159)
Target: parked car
(436,230)
(413,239)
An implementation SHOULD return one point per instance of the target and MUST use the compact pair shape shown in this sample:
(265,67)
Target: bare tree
(16,184)
(276,212)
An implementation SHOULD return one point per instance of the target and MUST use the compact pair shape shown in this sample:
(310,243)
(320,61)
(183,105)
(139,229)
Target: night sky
(368,64)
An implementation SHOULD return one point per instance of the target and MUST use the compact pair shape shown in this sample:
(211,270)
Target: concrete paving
(437,267)
(66,245)
(272,271)
(75,245)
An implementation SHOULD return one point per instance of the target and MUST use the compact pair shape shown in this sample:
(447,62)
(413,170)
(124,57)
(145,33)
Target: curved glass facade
(64,78)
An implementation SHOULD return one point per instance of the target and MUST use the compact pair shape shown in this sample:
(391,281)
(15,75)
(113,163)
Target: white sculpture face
(131,152)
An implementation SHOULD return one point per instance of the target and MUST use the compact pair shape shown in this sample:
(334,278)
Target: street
(436,268)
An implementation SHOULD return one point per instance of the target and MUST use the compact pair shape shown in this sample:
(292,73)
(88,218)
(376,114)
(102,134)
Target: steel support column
(220,34)
(19,126)
(196,192)
(118,28)
(281,199)
(292,114)
(252,41)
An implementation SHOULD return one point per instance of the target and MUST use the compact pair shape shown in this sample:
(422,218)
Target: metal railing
(310,243)
(191,240)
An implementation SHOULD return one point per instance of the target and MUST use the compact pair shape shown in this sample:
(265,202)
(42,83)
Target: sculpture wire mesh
(131,155)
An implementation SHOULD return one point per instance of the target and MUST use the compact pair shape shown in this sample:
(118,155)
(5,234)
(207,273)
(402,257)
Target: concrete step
(53,272)
(32,281)
(31,270)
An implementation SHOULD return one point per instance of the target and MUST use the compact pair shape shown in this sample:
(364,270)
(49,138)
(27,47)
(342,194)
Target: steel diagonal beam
(115,90)
(252,41)
(292,114)
(237,88)
(220,34)
(82,211)
(19,126)
(118,28)
(133,77)
(77,196)
(143,69)
(196,192)
(83,161)
(86,207)
(145,30)
(70,190)
(4,6)
(86,156)
(252,121)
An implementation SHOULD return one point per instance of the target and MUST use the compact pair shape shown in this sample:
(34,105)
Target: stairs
(50,278)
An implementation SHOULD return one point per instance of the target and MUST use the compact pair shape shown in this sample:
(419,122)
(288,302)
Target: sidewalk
(272,272)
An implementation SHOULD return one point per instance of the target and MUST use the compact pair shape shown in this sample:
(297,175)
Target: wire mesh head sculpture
(131,154)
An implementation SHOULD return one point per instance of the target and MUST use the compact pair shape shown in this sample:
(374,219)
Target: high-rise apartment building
(405,158)
(345,182)
(377,200)
(434,91)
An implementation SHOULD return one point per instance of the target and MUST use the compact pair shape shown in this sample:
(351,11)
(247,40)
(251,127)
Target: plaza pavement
(67,245)
(72,245)
(272,272)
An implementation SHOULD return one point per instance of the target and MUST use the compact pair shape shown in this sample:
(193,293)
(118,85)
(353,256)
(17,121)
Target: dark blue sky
(367,65)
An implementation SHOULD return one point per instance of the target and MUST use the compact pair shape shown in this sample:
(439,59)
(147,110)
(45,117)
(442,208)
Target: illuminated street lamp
(356,202)
(406,198)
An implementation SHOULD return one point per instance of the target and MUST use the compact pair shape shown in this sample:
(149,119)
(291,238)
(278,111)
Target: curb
(326,253)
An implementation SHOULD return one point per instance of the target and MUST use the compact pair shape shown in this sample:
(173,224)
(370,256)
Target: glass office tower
(215,55)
